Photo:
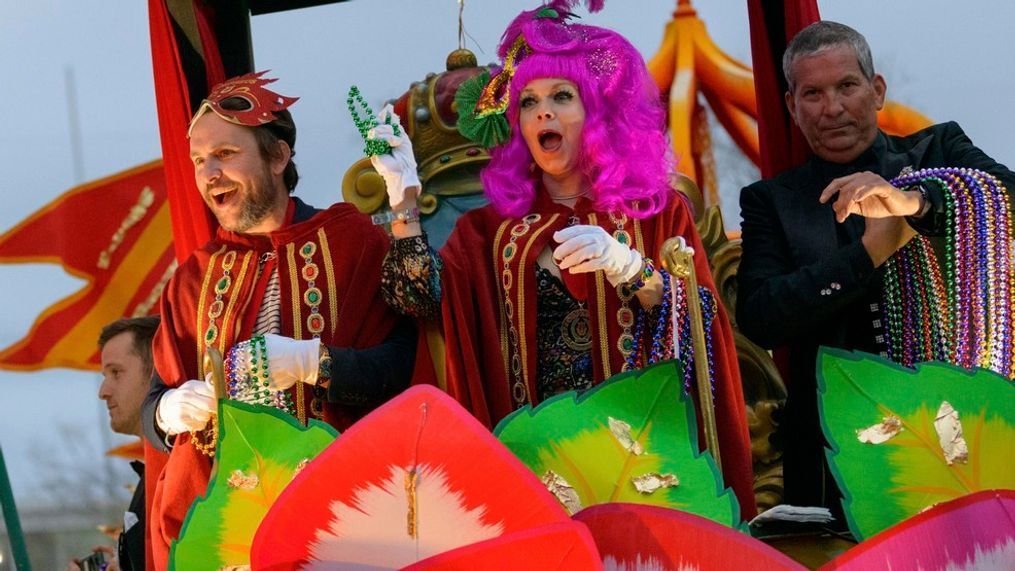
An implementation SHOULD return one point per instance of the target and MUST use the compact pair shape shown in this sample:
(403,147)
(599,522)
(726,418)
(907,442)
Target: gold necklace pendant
(621,235)
(576,330)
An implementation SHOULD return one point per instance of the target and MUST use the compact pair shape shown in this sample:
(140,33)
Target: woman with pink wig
(552,286)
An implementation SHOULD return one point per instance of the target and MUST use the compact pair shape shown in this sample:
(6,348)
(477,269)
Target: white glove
(584,248)
(290,361)
(186,408)
(398,168)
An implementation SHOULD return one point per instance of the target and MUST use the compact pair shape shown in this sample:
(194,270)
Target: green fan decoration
(490,130)
(260,450)
(631,439)
(547,12)
(903,440)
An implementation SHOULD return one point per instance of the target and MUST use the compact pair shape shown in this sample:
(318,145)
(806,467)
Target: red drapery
(193,224)
(773,24)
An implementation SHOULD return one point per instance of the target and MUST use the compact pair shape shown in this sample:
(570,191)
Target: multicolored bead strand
(661,349)
(668,343)
(248,376)
(661,332)
(963,314)
(683,346)
(914,307)
(633,360)
(684,337)
(709,309)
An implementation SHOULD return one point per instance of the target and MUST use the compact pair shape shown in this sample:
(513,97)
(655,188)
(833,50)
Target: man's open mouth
(221,196)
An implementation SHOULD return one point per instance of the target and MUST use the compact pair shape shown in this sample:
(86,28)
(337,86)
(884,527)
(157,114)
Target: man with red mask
(296,285)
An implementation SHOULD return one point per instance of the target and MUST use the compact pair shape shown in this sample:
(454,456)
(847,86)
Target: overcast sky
(950,60)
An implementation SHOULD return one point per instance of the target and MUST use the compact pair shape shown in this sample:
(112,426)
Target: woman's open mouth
(550,140)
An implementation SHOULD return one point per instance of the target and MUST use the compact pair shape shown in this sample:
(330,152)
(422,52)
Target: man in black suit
(811,271)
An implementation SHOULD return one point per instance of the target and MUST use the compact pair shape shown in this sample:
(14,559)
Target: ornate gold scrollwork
(363,187)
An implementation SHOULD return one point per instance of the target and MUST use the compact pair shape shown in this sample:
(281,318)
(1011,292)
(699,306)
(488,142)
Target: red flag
(113,233)
(773,24)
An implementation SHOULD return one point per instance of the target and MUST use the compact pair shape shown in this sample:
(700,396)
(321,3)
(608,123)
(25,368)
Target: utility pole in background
(77,158)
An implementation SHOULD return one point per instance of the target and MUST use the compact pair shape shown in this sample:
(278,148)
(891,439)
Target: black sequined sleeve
(410,278)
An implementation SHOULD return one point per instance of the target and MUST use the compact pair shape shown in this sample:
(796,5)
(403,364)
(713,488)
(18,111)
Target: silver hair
(823,35)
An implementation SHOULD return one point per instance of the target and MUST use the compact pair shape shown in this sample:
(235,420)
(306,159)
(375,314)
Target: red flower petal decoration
(636,536)
(976,531)
(417,477)
(565,545)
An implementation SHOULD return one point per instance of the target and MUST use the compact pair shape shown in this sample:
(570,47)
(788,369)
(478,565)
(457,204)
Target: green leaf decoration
(635,430)
(888,482)
(547,12)
(489,131)
(260,450)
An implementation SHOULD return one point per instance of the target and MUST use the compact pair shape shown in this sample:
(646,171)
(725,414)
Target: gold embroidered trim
(227,316)
(329,274)
(202,312)
(294,289)
(504,348)
(604,337)
(294,292)
(523,350)
(301,407)
(144,201)
(144,308)
(639,242)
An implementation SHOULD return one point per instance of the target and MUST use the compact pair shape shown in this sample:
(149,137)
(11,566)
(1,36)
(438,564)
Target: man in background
(126,346)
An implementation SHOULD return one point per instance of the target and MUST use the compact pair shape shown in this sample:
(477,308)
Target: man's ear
(790,106)
(880,89)
(280,159)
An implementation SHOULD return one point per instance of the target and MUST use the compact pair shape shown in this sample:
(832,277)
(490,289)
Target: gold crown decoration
(448,163)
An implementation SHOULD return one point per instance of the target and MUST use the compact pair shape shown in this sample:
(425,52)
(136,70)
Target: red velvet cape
(347,253)
(476,325)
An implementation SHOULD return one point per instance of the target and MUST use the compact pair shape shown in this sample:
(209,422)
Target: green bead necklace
(367,122)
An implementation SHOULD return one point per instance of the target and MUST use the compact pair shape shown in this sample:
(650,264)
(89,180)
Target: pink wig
(624,153)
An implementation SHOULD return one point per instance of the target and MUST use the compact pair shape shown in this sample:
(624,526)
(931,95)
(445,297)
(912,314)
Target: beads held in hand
(366,123)
(398,169)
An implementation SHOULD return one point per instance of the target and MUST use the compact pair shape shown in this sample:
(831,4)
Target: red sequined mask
(255,104)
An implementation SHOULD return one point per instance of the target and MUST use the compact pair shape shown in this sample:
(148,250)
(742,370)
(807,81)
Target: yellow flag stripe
(149,247)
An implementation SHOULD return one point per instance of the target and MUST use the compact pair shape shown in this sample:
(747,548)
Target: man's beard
(257,205)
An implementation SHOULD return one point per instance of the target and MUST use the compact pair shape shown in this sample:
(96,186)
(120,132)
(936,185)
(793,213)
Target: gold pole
(678,260)
(212,363)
